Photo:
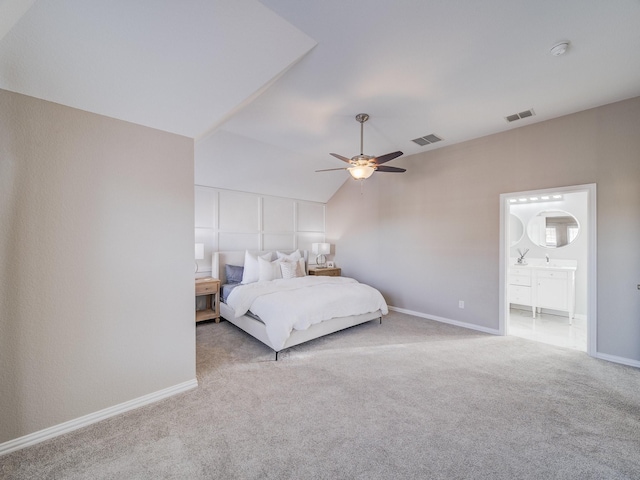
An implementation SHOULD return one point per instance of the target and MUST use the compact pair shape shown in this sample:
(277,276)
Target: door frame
(592,320)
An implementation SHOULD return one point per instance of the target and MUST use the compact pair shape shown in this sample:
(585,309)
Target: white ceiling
(269,88)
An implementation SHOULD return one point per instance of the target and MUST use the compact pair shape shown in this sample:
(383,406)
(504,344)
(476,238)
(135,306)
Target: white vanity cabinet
(520,286)
(542,286)
(553,290)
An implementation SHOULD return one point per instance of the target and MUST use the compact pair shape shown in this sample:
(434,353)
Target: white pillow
(291,257)
(293,269)
(269,270)
(251,269)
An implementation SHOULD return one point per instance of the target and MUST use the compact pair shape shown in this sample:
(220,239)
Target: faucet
(547,257)
(521,257)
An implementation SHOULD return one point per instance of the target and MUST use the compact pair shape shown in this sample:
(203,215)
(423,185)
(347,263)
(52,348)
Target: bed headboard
(220,259)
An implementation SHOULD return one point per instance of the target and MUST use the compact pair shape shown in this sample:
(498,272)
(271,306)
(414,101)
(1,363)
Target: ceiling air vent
(518,116)
(427,140)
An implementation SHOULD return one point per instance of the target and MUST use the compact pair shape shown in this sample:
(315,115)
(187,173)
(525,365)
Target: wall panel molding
(233,220)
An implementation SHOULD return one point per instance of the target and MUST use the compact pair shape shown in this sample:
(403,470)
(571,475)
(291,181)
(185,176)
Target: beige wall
(96,278)
(430,237)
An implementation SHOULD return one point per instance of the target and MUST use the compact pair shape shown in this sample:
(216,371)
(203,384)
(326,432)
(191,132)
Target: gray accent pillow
(233,273)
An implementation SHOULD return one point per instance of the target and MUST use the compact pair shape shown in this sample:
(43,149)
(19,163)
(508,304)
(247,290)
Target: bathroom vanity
(541,284)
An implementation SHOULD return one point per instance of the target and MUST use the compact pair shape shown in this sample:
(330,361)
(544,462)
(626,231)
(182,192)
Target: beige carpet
(409,398)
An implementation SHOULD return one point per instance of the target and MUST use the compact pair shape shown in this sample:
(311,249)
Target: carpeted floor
(409,398)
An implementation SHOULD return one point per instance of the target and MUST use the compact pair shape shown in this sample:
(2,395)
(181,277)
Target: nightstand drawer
(325,272)
(206,288)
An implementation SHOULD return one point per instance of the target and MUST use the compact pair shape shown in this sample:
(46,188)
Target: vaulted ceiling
(267,89)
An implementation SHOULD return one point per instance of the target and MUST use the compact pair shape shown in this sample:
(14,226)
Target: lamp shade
(199,251)
(321,248)
(360,172)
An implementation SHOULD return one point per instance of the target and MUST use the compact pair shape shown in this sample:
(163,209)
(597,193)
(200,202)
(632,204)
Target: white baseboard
(616,359)
(471,326)
(602,356)
(71,425)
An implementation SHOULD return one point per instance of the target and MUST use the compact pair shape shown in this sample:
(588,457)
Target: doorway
(548,266)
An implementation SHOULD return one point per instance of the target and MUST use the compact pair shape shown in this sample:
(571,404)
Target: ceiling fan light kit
(363,166)
(361,172)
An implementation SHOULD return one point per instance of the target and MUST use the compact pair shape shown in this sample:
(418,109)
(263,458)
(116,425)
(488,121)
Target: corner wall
(430,237)
(96,278)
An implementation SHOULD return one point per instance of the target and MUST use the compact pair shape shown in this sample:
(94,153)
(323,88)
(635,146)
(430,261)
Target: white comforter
(298,303)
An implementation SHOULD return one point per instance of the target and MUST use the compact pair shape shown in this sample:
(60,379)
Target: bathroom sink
(556,266)
(553,264)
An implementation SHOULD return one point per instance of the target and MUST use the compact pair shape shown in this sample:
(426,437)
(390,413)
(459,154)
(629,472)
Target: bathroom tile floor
(550,329)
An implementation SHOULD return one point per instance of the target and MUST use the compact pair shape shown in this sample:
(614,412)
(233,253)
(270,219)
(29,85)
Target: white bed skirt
(257,329)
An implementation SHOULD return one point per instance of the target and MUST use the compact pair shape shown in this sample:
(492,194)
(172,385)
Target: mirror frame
(531,226)
(513,217)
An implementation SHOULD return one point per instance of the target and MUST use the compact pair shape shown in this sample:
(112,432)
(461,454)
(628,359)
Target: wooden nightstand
(211,288)
(327,272)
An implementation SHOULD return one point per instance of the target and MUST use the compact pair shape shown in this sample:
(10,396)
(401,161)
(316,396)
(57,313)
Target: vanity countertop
(540,263)
(545,267)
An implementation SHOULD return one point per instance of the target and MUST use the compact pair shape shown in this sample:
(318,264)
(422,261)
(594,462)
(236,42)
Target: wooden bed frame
(257,329)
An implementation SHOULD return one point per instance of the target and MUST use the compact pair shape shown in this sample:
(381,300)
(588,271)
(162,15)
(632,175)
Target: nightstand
(327,272)
(211,288)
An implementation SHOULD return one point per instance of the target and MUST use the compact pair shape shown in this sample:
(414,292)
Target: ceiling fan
(363,166)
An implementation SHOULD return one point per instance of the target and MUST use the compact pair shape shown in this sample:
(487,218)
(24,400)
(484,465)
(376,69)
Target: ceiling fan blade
(330,169)
(384,168)
(340,157)
(386,158)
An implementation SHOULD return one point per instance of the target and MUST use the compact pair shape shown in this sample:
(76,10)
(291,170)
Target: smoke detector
(559,49)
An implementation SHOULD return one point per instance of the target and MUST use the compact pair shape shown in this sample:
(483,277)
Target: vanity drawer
(520,280)
(560,275)
(519,271)
(520,295)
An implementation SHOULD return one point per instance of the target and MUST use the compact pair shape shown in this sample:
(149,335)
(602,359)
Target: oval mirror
(553,229)
(516,229)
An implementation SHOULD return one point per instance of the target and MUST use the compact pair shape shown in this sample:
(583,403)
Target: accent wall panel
(281,241)
(238,241)
(206,202)
(310,217)
(229,220)
(278,214)
(239,212)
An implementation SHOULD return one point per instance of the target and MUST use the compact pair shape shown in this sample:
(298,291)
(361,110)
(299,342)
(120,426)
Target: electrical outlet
(461,304)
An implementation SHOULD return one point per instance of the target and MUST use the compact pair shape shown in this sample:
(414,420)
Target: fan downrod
(361,117)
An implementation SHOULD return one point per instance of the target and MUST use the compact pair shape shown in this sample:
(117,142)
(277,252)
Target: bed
(272,298)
